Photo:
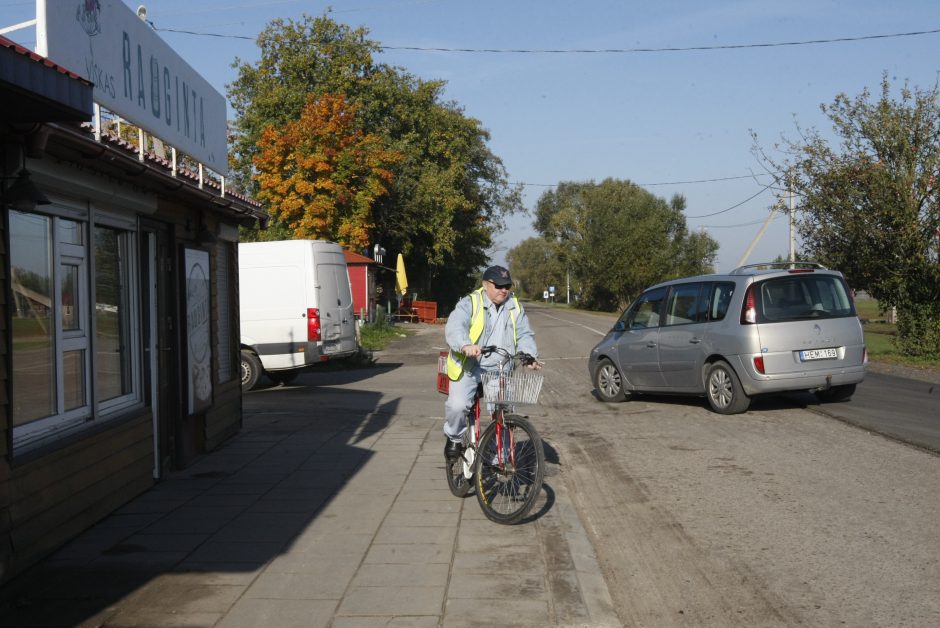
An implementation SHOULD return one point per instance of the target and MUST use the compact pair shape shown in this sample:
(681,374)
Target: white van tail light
(749,311)
(759,364)
(313,324)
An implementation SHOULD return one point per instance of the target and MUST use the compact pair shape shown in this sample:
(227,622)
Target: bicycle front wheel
(509,481)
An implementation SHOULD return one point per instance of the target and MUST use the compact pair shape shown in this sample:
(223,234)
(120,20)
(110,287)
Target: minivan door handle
(695,341)
(651,345)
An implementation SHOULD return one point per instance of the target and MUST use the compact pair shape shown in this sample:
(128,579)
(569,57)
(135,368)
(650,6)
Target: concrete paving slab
(390,575)
(409,553)
(254,613)
(319,585)
(392,601)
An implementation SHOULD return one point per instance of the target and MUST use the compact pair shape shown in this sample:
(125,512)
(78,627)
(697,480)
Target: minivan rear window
(802,297)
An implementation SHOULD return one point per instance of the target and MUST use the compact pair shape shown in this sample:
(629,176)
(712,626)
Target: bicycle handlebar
(523,357)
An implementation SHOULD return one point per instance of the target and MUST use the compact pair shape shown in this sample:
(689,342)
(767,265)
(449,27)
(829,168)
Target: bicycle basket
(515,388)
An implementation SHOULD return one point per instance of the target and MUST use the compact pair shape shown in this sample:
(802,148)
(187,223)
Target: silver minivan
(762,328)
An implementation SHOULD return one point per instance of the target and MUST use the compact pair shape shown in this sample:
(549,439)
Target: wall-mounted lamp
(23,195)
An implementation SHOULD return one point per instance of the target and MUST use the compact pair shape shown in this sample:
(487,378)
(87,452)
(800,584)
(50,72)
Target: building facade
(118,309)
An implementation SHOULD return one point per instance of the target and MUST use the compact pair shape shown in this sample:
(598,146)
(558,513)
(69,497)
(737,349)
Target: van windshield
(800,297)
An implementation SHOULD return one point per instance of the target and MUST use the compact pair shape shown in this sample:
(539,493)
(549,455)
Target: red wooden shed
(362,280)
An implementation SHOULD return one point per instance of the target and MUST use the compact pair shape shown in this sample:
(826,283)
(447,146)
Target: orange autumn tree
(320,174)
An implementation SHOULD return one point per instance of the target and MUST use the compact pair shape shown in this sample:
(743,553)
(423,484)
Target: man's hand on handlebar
(471,351)
(530,362)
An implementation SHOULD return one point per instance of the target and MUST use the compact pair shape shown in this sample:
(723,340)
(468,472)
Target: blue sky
(661,119)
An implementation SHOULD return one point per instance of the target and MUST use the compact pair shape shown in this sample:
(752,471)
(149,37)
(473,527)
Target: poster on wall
(198,345)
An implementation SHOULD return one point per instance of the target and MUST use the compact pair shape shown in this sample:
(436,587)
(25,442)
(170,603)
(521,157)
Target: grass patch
(879,339)
(376,336)
(869,310)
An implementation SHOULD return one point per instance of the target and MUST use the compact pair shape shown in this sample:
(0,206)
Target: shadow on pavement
(229,514)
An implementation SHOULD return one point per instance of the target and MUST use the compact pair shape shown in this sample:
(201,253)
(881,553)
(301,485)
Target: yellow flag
(401,279)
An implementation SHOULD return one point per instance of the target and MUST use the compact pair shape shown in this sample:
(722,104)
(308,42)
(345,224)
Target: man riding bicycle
(490,315)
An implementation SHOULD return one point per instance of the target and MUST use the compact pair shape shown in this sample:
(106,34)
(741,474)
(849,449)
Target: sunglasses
(503,286)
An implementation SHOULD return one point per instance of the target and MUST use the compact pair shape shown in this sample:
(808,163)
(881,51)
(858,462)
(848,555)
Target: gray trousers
(459,403)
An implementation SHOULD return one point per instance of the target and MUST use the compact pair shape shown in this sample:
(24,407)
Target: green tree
(535,264)
(617,239)
(870,206)
(449,193)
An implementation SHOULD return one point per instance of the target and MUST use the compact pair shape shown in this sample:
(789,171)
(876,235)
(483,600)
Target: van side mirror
(619,326)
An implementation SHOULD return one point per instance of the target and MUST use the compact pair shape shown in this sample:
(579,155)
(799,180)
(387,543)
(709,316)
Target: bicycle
(505,461)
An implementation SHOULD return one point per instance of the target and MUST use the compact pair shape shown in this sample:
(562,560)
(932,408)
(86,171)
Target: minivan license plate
(818,354)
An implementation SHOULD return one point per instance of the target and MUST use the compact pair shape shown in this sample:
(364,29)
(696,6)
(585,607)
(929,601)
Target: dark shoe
(453,449)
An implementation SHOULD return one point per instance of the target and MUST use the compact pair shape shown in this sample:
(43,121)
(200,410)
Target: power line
(717,179)
(736,205)
(807,42)
(743,224)
(667,49)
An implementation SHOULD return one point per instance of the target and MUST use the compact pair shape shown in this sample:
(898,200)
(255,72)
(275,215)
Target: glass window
(34,362)
(57,362)
(69,297)
(645,311)
(73,367)
(112,315)
(683,306)
(720,300)
(803,296)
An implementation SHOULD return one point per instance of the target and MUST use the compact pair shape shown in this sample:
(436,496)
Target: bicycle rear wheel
(508,486)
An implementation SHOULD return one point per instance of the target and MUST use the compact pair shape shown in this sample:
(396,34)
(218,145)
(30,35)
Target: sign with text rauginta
(136,74)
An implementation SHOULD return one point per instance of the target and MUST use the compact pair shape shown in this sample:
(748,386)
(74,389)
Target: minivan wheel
(251,369)
(836,393)
(724,391)
(608,382)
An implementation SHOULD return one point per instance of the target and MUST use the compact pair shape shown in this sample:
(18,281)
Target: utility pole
(790,196)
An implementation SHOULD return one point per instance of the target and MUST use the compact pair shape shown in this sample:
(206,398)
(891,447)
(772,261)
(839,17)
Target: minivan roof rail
(741,270)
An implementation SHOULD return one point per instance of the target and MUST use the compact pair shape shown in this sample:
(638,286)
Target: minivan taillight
(749,311)
(759,364)
(313,324)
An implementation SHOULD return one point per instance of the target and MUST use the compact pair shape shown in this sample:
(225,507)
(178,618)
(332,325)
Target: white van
(295,308)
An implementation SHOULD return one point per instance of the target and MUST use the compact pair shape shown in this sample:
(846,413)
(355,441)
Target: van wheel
(251,369)
(836,393)
(283,377)
(723,389)
(608,382)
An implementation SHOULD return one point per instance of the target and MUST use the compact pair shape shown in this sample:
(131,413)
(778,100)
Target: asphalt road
(780,516)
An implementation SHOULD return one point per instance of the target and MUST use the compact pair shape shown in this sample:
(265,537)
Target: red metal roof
(355,258)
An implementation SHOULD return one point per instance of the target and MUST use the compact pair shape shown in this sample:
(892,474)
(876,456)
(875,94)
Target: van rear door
(337,323)
(807,323)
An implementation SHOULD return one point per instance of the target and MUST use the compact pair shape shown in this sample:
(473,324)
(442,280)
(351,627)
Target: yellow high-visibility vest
(456,359)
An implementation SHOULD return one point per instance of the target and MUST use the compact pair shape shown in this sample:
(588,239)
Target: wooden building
(118,312)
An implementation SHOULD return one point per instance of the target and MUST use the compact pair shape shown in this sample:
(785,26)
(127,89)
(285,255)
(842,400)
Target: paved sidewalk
(330,508)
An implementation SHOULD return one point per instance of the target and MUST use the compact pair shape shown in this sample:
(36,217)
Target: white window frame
(47,430)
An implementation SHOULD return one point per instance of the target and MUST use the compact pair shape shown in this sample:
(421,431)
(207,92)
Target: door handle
(651,345)
(695,341)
